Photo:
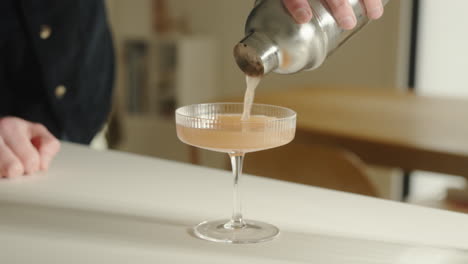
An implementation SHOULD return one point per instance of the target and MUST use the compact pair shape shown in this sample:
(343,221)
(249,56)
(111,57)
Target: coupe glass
(219,127)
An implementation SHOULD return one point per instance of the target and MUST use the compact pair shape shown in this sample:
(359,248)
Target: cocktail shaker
(274,42)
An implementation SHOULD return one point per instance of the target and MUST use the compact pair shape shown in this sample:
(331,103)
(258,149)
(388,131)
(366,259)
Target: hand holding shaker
(274,42)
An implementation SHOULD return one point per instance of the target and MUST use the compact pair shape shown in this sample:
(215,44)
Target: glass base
(221,231)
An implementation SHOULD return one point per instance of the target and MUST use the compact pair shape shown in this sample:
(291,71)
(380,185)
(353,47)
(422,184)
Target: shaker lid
(248,60)
(256,54)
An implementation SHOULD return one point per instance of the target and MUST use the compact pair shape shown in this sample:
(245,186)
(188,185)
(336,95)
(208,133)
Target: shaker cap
(256,54)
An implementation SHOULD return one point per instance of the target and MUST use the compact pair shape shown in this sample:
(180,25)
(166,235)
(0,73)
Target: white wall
(442,60)
(442,70)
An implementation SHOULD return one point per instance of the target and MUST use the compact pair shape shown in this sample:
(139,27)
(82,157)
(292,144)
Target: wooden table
(111,207)
(383,127)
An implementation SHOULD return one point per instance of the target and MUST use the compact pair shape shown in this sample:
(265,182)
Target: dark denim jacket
(56,65)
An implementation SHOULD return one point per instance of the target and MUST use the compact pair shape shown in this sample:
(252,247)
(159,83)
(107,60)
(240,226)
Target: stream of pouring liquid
(252,83)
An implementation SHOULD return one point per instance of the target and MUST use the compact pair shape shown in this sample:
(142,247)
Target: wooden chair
(318,165)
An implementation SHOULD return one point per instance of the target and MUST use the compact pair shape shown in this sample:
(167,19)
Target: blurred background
(179,52)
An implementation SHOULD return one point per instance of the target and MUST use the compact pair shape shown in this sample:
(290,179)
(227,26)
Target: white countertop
(110,207)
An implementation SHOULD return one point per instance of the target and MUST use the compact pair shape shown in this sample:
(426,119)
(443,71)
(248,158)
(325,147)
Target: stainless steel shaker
(275,43)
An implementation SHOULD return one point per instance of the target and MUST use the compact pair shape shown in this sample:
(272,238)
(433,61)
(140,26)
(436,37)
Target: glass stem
(237,221)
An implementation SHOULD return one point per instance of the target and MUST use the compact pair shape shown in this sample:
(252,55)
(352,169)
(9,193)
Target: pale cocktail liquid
(238,133)
(228,133)
(252,83)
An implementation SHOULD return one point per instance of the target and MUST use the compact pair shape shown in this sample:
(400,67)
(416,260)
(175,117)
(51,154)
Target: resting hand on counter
(342,11)
(25,147)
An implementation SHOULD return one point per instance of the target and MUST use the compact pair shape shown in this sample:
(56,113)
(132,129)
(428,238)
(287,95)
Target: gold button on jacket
(46,31)
(60,91)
